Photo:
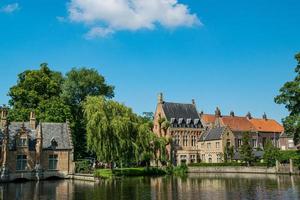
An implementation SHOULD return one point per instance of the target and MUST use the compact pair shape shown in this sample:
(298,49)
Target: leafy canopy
(39,91)
(116,134)
(290,97)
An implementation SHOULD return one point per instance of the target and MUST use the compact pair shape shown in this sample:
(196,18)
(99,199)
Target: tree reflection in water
(194,186)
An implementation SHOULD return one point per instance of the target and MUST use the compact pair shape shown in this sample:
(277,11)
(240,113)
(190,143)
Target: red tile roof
(236,123)
(267,125)
(207,118)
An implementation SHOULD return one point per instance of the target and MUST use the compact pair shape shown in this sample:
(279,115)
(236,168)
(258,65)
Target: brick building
(34,150)
(185,129)
(222,131)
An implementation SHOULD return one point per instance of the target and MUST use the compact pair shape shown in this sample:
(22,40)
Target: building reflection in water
(194,186)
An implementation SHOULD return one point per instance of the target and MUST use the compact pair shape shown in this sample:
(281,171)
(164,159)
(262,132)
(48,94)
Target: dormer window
(53,143)
(22,142)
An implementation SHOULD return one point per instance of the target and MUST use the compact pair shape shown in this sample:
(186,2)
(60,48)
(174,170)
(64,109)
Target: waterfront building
(181,124)
(222,132)
(34,150)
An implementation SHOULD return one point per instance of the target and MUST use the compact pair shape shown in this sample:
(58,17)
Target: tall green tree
(117,135)
(80,83)
(109,128)
(290,97)
(271,153)
(39,91)
(246,152)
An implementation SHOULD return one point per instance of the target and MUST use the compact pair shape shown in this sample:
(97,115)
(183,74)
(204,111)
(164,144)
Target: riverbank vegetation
(146,171)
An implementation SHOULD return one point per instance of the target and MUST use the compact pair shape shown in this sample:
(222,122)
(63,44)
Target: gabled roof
(180,111)
(267,125)
(207,118)
(237,123)
(50,131)
(213,134)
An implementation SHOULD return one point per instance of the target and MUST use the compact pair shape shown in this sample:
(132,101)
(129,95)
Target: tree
(246,149)
(290,97)
(39,91)
(271,153)
(117,135)
(109,128)
(80,83)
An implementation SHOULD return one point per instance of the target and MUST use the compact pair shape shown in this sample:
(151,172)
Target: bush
(180,170)
(83,166)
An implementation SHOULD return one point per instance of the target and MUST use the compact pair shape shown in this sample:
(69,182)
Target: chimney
(201,113)
(265,116)
(231,113)
(218,112)
(249,115)
(160,98)
(3,116)
(32,120)
(193,102)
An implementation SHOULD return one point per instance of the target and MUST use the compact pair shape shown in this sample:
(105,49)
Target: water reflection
(194,186)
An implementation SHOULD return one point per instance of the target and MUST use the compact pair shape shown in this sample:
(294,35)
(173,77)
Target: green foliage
(82,166)
(116,135)
(271,154)
(80,83)
(39,91)
(284,156)
(180,170)
(290,97)
(107,173)
(228,153)
(246,150)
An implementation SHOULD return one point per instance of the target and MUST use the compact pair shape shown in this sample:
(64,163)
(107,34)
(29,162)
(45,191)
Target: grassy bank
(108,173)
(152,171)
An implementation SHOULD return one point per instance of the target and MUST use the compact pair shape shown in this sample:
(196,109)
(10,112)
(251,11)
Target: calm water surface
(195,186)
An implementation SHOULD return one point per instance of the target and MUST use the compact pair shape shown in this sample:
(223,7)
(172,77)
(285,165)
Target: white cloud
(10,8)
(61,19)
(108,16)
(98,32)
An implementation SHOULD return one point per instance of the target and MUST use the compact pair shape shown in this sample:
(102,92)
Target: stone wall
(239,169)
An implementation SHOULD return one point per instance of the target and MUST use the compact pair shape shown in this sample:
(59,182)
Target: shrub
(82,166)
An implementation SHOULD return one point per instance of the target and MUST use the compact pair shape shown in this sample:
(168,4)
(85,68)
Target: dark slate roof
(57,131)
(50,131)
(213,134)
(181,113)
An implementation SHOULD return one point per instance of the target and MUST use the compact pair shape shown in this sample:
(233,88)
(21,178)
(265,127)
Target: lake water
(192,187)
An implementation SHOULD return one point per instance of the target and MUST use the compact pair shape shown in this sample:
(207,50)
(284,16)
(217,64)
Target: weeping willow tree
(117,135)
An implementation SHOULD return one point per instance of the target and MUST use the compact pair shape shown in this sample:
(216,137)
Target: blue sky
(234,54)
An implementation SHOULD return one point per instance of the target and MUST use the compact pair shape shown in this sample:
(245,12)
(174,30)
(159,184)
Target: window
(208,146)
(21,162)
(193,140)
(219,159)
(193,158)
(203,157)
(209,159)
(239,142)
(185,140)
(217,145)
(254,143)
(228,143)
(22,142)
(53,162)
(177,139)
